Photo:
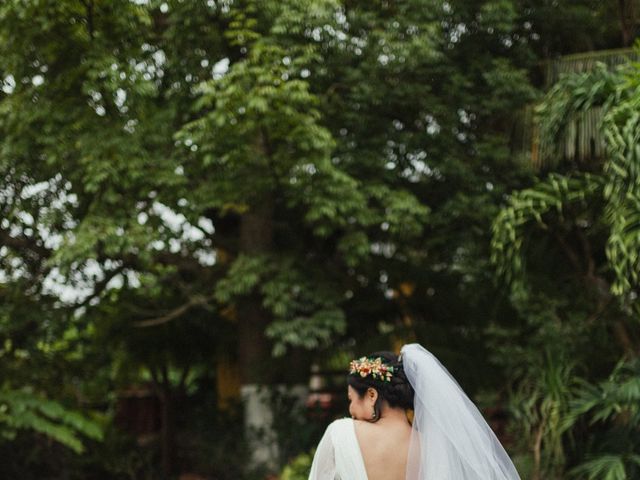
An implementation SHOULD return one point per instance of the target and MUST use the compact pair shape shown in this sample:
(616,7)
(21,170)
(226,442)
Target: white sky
(81,282)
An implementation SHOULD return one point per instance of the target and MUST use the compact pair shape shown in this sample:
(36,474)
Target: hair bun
(398,392)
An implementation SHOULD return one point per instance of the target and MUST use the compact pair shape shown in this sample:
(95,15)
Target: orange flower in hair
(371,366)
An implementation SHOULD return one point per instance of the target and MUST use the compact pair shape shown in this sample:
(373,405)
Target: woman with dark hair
(447,440)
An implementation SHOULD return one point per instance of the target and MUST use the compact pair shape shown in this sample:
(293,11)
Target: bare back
(385,447)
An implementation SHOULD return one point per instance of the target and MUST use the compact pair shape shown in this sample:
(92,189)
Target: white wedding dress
(450,439)
(338,454)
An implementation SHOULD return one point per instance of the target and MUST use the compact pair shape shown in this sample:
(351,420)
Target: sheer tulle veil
(450,438)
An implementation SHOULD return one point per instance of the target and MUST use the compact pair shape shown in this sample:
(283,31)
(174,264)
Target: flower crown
(375,367)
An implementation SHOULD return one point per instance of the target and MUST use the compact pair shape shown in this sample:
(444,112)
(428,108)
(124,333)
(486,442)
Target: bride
(447,440)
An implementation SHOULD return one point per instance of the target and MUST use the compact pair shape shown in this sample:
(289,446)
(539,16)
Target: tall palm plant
(587,214)
(539,406)
(609,185)
(613,407)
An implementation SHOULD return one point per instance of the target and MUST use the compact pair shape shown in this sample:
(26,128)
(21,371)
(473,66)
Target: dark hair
(398,392)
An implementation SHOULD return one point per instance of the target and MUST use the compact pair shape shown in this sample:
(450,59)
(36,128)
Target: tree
(114,187)
(183,181)
(92,96)
(587,219)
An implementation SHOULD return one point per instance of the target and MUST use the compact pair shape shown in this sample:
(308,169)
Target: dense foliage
(568,247)
(195,190)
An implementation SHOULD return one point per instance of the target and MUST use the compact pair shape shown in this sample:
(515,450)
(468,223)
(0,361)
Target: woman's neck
(394,415)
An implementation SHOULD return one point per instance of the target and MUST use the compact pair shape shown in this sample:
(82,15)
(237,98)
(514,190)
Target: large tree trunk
(627,15)
(163,390)
(167,434)
(256,237)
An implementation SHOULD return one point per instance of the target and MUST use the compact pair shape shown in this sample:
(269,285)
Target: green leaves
(622,129)
(570,243)
(305,308)
(298,468)
(604,467)
(24,410)
(243,276)
(498,15)
(312,332)
(614,405)
(540,405)
(530,207)
(259,124)
(368,139)
(608,95)
(570,115)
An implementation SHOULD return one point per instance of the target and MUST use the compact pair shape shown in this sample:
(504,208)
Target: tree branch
(100,286)
(88,5)
(573,257)
(22,243)
(195,301)
(586,247)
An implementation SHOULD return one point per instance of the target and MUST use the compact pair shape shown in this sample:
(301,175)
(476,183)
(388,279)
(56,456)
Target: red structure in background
(139,412)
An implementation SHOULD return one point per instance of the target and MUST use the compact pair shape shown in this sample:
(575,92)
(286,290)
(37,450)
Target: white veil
(450,438)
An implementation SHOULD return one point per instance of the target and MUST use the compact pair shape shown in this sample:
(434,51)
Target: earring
(373,414)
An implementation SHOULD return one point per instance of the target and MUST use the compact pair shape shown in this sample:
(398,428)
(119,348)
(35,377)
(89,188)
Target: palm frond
(569,118)
(527,207)
(602,467)
(621,127)
(615,405)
